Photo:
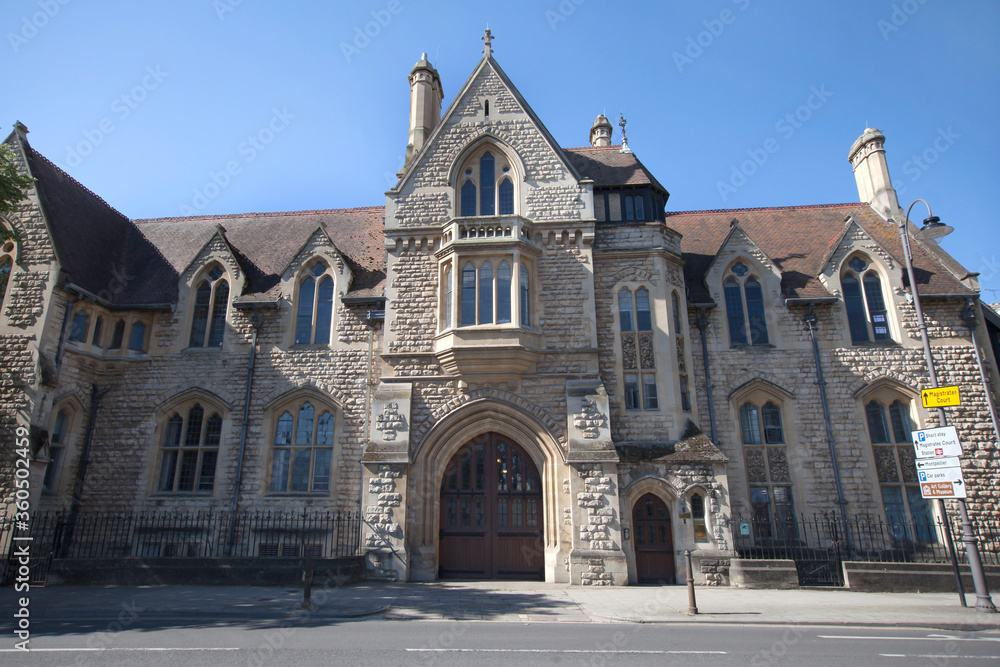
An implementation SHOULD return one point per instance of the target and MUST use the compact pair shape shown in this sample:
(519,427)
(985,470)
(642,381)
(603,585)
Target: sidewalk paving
(509,602)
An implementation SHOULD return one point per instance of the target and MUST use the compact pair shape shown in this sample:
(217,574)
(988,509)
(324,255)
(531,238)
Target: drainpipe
(702,324)
(811,319)
(256,322)
(81,473)
(969,315)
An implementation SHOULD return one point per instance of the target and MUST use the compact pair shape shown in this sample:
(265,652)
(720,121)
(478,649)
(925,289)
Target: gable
(425,193)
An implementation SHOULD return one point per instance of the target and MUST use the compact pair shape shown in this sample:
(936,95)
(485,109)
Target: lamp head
(933,229)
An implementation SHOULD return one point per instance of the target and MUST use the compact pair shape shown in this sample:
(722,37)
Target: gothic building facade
(522,365)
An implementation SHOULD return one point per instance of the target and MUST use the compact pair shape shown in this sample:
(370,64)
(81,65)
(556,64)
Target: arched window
(448,295)
(635,321)
(117,335)
(698,518)
(137,338)
(190,449)
(487,178)
(485,293)
(314,314)
(867,317)
(5,267)
(57,449)
(95,338)
(468,294)
(525,297)
(745,306)
(503,293)
(506,193)
(468,199)
(486,184)
(765,456)
(79,325)
(909,515)
(302,457)
(211,301)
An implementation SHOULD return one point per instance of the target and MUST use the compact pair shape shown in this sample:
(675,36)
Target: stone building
(631,378)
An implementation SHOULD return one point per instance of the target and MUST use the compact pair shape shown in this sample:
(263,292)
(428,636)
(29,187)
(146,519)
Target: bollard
(692,605)
(307,577)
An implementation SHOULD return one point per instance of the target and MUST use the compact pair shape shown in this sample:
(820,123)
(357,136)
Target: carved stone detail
(390,422)
(590,420)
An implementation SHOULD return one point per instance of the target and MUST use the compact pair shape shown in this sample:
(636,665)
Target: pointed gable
(425,192)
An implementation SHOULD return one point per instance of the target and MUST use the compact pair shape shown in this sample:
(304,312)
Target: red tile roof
(799,239)
(608,166)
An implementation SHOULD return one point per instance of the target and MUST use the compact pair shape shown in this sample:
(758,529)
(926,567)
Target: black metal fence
(198,534)
(863,538)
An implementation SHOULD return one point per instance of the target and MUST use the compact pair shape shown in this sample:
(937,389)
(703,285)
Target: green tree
(12,185)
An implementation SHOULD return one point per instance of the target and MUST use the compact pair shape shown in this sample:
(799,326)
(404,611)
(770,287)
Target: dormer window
(866,313)
(211,301)
(486,185)
(314,314)
(745,306)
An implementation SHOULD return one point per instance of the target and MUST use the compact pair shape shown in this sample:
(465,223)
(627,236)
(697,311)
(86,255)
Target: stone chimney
(425,105)
(872,174)
(600,132)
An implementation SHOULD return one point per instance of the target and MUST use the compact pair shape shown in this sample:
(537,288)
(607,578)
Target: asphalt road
(186,641)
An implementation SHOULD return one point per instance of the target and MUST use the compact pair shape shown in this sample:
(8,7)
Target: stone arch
(445,438)
(512,400)
(881,377)
(667,492)
(504,145)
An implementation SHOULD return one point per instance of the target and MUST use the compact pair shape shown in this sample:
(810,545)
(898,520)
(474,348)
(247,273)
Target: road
(218,642)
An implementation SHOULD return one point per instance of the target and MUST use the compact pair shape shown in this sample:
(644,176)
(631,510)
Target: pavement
(507,602)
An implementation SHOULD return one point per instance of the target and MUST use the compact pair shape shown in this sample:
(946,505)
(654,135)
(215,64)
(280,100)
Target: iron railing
(865,538)
(196,534)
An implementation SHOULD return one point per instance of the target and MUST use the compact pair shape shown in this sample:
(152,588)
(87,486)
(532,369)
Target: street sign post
(937,443)
(940,397)
(939,463)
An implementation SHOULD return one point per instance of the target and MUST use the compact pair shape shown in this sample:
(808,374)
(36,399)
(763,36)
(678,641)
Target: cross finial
(621,124)
(488,39)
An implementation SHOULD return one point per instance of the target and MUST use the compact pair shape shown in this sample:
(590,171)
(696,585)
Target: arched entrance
(491,513)
(654,544)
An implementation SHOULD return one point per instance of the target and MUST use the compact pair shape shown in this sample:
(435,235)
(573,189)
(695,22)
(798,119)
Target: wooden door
(654,544)
(491,513)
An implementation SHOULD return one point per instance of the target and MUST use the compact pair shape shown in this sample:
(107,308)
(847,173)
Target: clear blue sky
(162,95)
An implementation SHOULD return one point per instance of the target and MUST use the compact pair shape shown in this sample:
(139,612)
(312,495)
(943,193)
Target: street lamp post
(933,229)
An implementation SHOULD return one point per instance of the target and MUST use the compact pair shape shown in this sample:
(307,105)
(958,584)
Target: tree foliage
(12,183)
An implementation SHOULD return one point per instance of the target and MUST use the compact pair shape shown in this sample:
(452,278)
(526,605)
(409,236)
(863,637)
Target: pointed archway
(491,513)
(654,542)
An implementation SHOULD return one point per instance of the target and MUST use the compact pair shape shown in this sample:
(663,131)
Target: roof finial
(621,123)
(488,39)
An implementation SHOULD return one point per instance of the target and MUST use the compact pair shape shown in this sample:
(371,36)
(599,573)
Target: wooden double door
(654,544)
(491,513)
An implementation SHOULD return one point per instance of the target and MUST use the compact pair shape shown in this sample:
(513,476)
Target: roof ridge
(262,214)
(766,208)
(76,182)
(593,148)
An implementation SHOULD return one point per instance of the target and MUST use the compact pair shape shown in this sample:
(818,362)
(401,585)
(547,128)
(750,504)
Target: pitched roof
(608,166)
(799,239)
(95,243)
(265,243)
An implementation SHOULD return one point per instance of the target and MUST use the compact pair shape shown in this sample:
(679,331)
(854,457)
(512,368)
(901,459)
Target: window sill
(181,494)
(879,343)
(750,346)
(202,350)
(297,494)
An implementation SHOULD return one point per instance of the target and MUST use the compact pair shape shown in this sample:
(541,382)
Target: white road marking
(938,638)
(942,656)
(558,650)
(113,648)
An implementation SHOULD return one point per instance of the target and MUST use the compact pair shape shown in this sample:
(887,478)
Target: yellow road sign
(940,397)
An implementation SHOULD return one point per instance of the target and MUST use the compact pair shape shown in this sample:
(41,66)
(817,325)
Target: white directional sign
(937,464)
(953,475)
(935,443)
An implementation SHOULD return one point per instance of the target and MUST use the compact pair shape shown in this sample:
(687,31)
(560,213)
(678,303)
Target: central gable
(488,109)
